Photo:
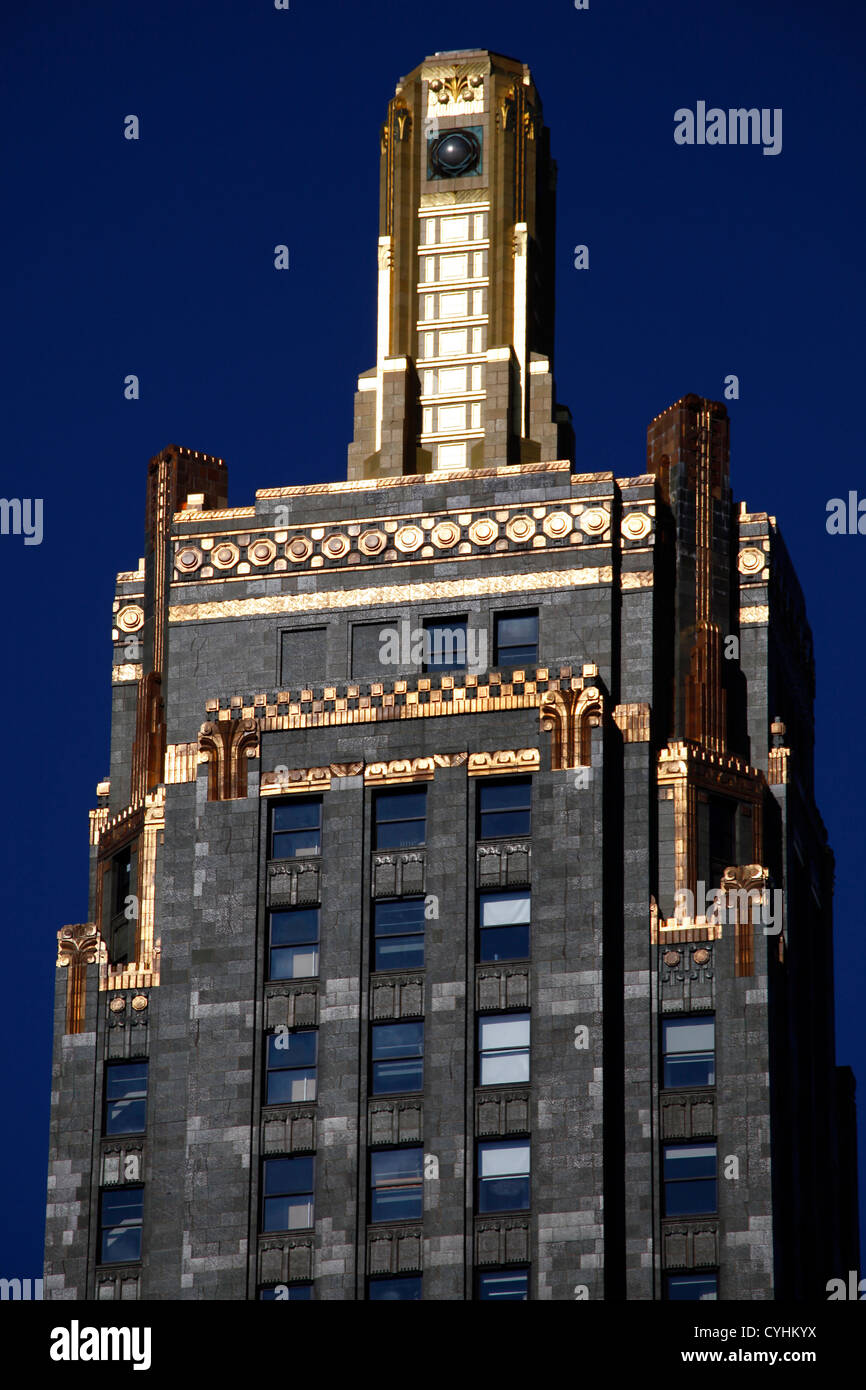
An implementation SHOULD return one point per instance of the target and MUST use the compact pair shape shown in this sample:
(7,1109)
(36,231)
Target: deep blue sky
(156,258)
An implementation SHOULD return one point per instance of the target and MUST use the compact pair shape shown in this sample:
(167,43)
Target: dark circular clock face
(455,153)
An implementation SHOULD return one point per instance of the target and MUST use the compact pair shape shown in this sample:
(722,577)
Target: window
(125,1097)
(690,1179)
(503,1175)
(515,638)
(371,642)
(503,922)
(445,643)
(288,1193)
(397,1053)
(287,1293)
(294,944)
(504,1285)
(400,818)
(303,657)
(296,828)
(405,1289)
(398,925)
(291,1071)
(396,1176)
(122,921)
(693,1288)
(120,1225)
(688,1051)
(503,1049)
(504,808)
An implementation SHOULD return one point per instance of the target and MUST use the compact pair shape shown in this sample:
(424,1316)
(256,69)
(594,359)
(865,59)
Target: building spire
(463,375)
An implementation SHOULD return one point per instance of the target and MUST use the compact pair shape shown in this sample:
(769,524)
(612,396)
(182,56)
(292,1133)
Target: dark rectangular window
(398,927)
(287,1293)
(504,808)
(503,1285)
(693,1288)
(515,638)
(296,828)
(288,1193)
(690,1179)
(120,1219)
(689,1051)
(503,1049)
(503,1175)
(291,1069)
(723,812)
(400,818)
(373,650)
(294,948)
(503,925)
(125,1097)
(445,644)
(406,1288)
(122,870)
(397,1052)
(396,1177)
(304,657)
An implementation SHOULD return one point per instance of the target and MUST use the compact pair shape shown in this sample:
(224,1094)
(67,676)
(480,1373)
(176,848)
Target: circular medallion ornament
(445,534)
(556,525)
(750,560)
(118,1004)
(672,958)
(455,154)
(409,538)
(139,1003)
(335,547)
(701,956)
(372,542)
(484,531)
(299,549)
(635,526)
(520,528)
(187,559)
(261,552)
(594,521)
(225,555)
(130,618)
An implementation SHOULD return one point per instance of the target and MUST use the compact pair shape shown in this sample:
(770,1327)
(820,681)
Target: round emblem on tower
(335,547)
(187,559)
(130,618)
(750,560)
(299,549)
(409,538)
(594,521)
(557,525)
(226,555)
(372,543)
(635,526)
(483,531)
(261,552)
(455,154)
(520,528)
(445,534)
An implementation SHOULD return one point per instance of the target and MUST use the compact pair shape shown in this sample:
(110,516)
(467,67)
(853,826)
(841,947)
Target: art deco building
(400,979)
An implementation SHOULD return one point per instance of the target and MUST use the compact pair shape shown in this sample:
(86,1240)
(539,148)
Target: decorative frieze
(292,883)
(227,744)
(502,987)
(395,1122)
(283,1259)
(291,1006)
(78,946)
(505,760)
(503,865)
(570,716)
(120,1285)
(505,1241)
(688,1114)
(289,1130)
(122,1163)
(501,1112)
(690,1244)
(400,874)
(397,1251)
(396,996)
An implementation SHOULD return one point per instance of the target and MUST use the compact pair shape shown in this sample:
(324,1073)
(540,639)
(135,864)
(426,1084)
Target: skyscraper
(461,915)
